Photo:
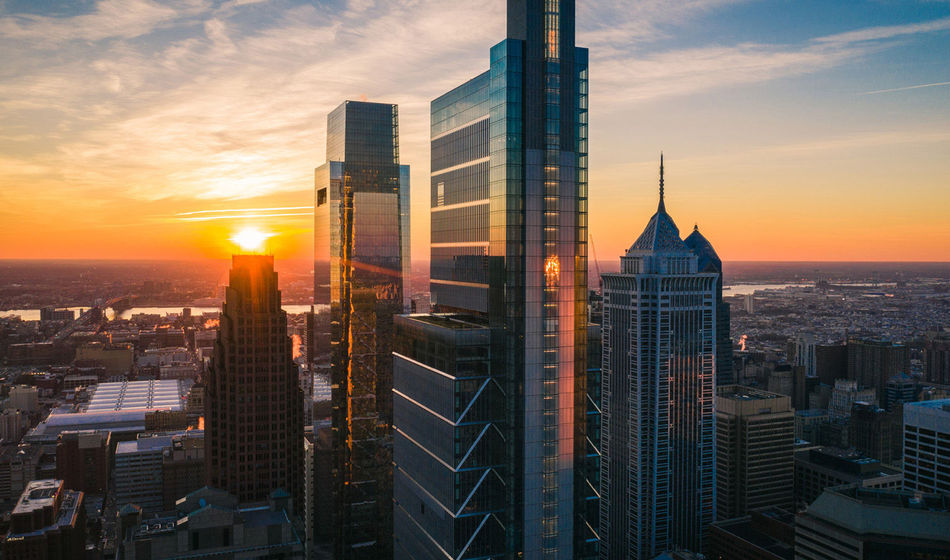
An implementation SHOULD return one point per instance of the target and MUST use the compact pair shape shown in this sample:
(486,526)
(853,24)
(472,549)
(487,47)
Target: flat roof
(743,393)
(37,495)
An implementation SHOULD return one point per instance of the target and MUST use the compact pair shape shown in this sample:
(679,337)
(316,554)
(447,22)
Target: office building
(23,397)
(937,356)
(156,469)
(48,522)
(361,256)
(900,389)
(856,523)
(449,442)
(53,314)
(808,423)
(658,444)
(845,394)
(508,255)
(790,380)
(801,352)
(82,460)
(824,467)
(709,261)
(138,472)
(19,465)
(875,432)
(13,424)
(927,446)
(831,363)
(871,363)
(253,420)
(755,435)
(183,466)
(764,534)
(210,523)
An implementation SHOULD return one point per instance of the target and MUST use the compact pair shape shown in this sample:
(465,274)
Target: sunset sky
(792,130)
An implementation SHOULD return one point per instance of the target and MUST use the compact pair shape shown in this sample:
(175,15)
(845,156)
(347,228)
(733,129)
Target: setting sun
(251,239)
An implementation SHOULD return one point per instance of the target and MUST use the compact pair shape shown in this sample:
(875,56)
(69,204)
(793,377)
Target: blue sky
(782,135)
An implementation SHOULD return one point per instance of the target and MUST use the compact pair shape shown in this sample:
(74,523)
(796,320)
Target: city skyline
(178,117)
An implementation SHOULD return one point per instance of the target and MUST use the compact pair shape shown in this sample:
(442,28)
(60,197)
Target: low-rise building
(764,534)
(115,358)
(857,523)
(209,523)
(824,467)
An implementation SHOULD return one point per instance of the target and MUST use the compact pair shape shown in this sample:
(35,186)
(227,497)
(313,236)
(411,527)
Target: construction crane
(600,278)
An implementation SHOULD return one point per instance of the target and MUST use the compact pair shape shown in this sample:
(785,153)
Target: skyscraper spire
(662,207)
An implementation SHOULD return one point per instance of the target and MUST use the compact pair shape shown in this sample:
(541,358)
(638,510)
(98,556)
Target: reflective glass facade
(657,483)
(509,245)
(361,257)
(448,442)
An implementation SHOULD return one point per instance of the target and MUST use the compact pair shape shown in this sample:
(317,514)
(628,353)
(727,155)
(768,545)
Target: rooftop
(37,495)
(154,394)
(881,511)
(743,393)
(449,321)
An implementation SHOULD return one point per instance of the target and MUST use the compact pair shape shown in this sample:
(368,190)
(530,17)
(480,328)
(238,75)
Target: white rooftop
(163,394)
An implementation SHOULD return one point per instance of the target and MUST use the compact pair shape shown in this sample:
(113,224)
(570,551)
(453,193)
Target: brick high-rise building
(937,356)
(82,460)
(254,421)
(871,363)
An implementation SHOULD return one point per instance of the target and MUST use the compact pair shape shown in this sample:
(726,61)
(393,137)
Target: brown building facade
(254,421)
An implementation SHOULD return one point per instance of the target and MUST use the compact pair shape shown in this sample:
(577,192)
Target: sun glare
(251,239)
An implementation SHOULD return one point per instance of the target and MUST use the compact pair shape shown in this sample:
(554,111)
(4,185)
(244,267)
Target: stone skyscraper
(508,258)
(657,482)
(361,248)
(254,419)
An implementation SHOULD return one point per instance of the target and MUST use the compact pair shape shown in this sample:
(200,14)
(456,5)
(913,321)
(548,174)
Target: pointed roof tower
(662,205)
(709,260)
(661,233)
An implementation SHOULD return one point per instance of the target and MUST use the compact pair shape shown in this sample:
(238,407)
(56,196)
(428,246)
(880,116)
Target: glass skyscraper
(658,476)
(509,256)
(361,246)
(709,261)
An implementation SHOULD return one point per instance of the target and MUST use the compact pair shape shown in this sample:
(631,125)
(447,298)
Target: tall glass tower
(508,254)
(361,250)
(657,482)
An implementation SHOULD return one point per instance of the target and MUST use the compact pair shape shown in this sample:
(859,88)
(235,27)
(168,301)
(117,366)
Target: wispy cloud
(232,210)
(905,88)
(209,100)
(887,32)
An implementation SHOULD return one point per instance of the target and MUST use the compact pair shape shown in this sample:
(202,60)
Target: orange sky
(128,127)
